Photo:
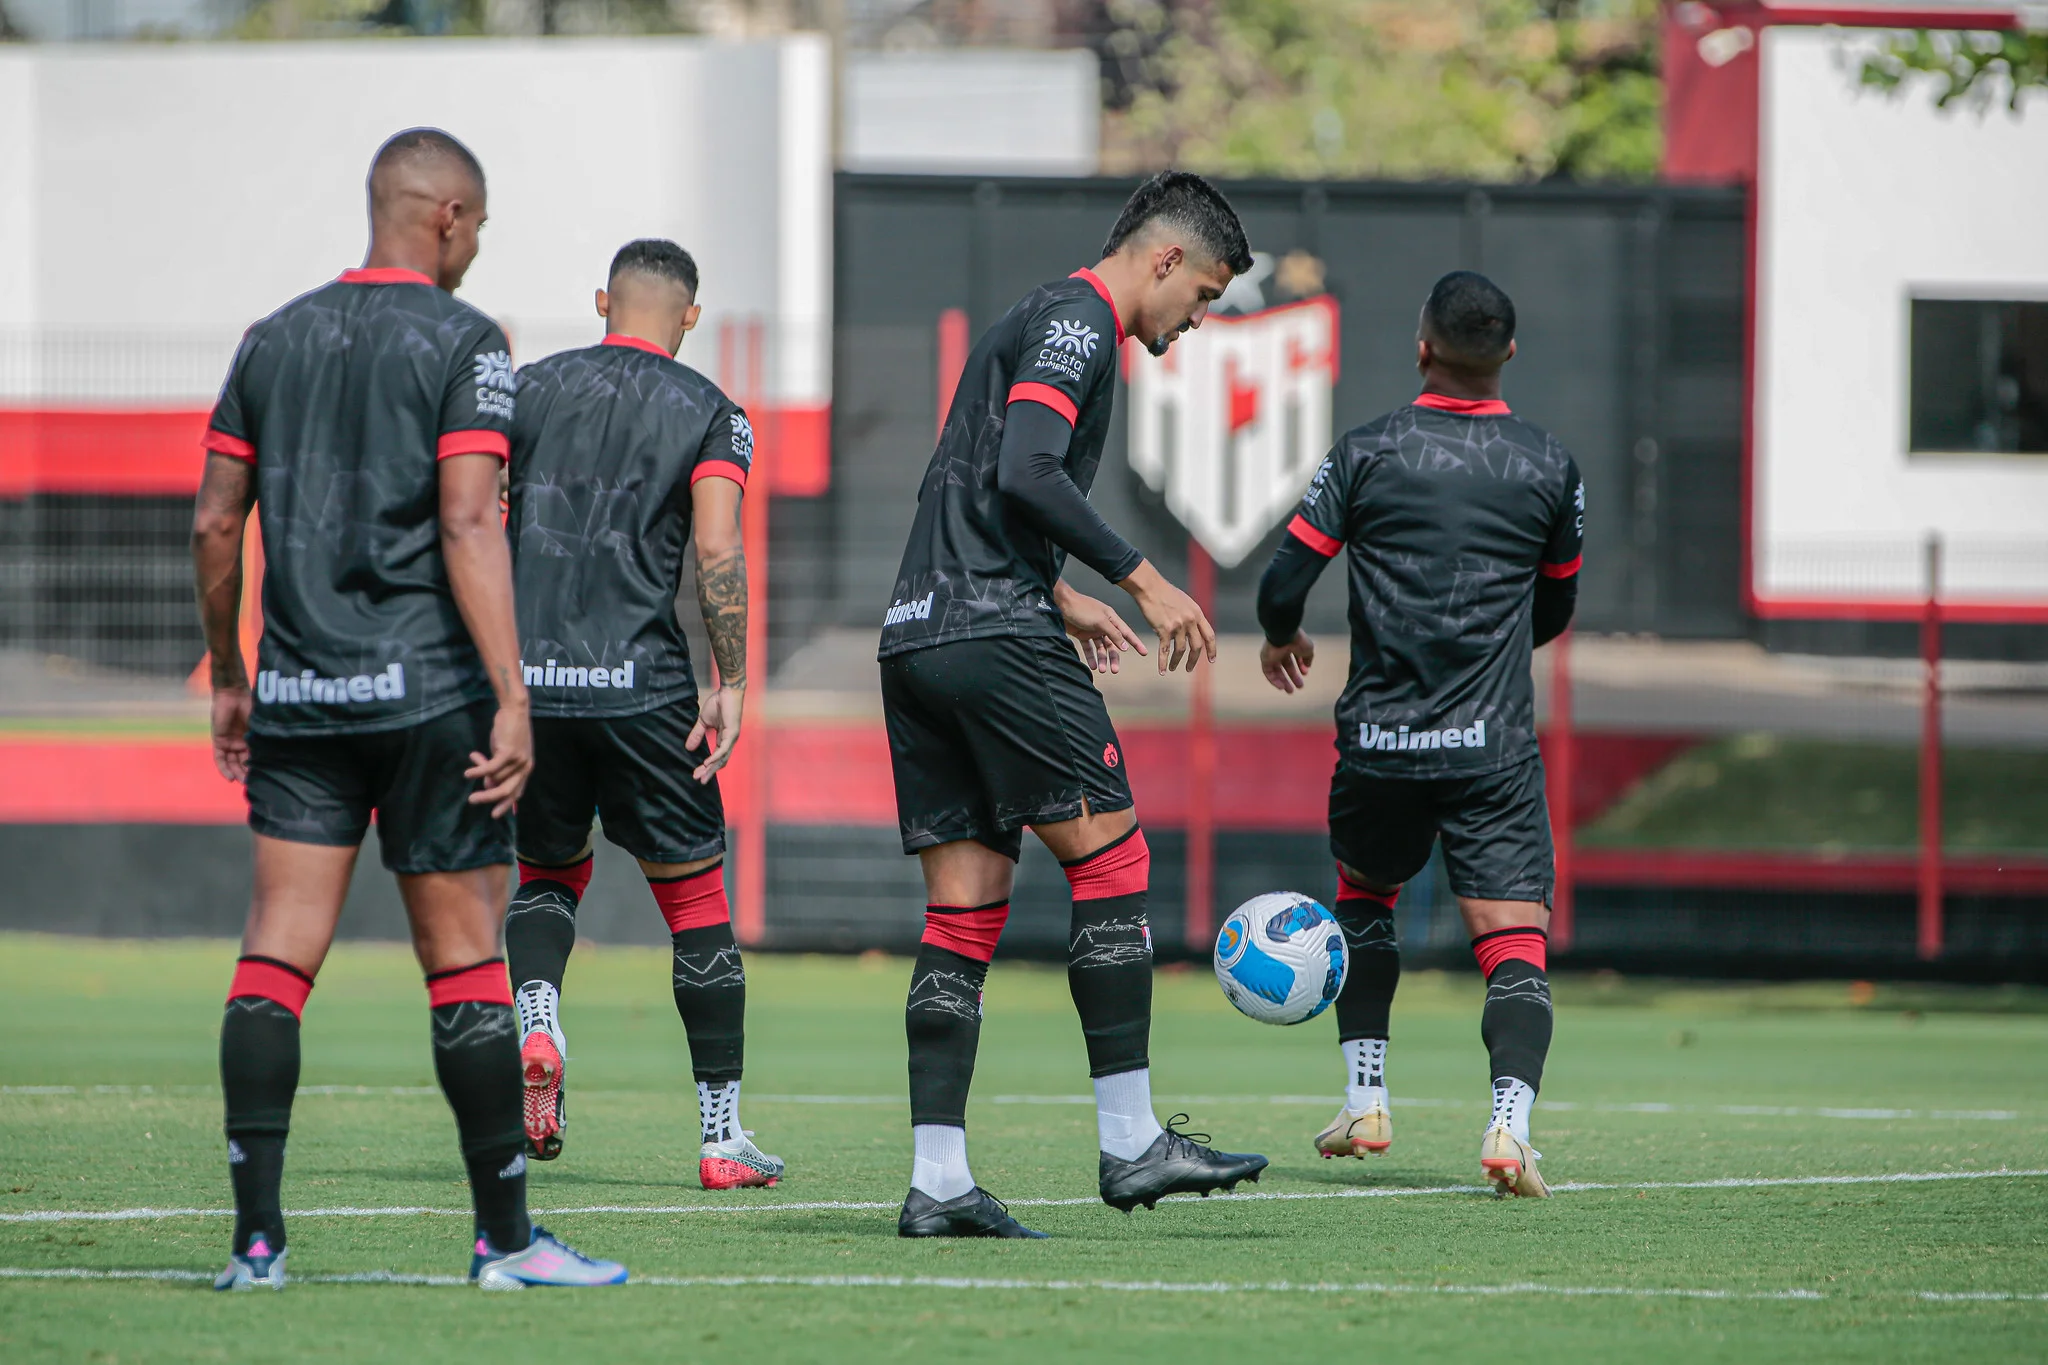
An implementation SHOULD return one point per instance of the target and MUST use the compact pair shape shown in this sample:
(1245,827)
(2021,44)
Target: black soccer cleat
(1175,1163)
(976,1213)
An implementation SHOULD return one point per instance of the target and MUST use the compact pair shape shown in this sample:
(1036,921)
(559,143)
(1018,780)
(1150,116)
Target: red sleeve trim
(719,469)
(220,443)
(1564,570)
(473,443)
(1048,396)
(1326,546)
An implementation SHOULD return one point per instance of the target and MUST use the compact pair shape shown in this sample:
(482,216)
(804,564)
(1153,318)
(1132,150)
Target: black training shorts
(988,736)
(320,789)
(1495,828)
(631,772)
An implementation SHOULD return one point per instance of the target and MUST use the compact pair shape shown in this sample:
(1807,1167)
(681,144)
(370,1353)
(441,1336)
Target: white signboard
(1232,421)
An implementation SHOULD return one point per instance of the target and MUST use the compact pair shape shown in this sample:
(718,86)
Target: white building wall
(1864,203)
(977,111)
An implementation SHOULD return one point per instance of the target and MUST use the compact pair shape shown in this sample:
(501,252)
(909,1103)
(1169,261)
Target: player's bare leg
(1365,911)
(710,984)
(540,933)
(1508,938)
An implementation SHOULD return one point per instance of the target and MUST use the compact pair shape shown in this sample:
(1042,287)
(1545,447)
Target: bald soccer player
(368,420)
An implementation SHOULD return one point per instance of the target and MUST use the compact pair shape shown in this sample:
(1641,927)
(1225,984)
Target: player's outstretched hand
(231,732)
(1101,633)
(1286,666)
(1184,633)
(719,721)
(503,772)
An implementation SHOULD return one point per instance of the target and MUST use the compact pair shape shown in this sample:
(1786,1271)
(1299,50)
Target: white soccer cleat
(1510,1164)
(1357,1132)
(257,1269)
(737,1164)
(546,1261)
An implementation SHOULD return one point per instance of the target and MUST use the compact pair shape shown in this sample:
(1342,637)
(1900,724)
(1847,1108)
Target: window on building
(1980,377)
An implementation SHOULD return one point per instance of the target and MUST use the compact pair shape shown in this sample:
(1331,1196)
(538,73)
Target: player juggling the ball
(995,724)
(367,422)
(622,457)
(1463,525)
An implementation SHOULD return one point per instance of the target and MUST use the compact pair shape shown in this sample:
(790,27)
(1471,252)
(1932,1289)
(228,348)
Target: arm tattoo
(219,524)
(722,597)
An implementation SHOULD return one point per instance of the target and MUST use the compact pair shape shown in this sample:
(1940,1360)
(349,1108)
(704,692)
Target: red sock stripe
(1348,890)
(576,876)
(693,902)
(969,931)
(484,983)
(272,980)
(1124,868)
(1529,944)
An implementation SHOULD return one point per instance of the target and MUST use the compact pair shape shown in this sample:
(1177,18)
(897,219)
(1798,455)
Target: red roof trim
(1870,16)
(1047,395)
(637,343)
(719,469)
(1464,407)
(221,443)
(383,274)
(1096,280)
(473,443)
(1324,545)
(1564,570)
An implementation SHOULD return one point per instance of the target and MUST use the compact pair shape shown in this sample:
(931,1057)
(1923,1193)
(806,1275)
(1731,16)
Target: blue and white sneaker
(257,1269)
(547,1260)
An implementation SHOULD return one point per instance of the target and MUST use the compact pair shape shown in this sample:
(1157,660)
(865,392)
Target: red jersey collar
(637,343)
(1464,407)
(383,274)
(1096,280)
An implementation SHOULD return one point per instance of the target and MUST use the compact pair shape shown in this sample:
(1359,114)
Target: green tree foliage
(1976,69)
(1409,89)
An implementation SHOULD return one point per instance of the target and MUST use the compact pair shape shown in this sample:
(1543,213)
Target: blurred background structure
(1783,289)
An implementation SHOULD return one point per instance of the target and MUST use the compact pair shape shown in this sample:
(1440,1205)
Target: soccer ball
(1281,958)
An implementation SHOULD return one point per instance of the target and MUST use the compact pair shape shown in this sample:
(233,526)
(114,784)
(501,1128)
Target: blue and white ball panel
(1281,958)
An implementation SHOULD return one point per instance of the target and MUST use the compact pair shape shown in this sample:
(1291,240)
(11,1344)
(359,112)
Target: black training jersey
(608,443)
(974,567)
(345,399)
(1450,510)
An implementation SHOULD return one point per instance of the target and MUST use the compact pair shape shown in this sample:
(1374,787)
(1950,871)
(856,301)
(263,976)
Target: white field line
(1277,1196)
(1066,1286)
(1399,1101)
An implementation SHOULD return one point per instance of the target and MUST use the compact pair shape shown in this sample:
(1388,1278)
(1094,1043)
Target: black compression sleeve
(1555,599)
(1283,589)
(1031,473)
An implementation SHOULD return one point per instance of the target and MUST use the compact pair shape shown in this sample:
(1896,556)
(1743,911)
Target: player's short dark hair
(1188,202)
(1470,320)
(425,144)
(658,257)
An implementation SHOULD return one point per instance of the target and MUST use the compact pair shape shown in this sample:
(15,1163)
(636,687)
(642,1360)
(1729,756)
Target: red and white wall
(159,198)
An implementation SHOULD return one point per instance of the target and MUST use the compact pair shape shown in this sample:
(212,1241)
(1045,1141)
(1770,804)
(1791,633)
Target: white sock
(1123,1113)
(718,1107)
(1365,1066)
(940,1169)
(1512,1100)
(538,1003)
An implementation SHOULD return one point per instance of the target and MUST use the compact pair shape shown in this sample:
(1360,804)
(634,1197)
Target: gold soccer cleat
(1510,1164)
(1353,1133)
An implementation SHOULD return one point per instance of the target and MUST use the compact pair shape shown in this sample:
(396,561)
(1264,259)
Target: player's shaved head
(1469,322)
(651,261)
(417,171)
(1191,207)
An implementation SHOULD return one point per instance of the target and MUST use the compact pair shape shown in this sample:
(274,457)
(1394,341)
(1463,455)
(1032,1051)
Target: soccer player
(620,455)
(367,421)
(995,724)
(1464,525)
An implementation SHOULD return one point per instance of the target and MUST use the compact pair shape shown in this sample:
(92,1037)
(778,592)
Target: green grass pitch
(1654,1089)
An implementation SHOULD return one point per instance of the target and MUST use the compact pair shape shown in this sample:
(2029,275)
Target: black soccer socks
(476,1059)
(710,980)
(1516,1021)
(1367,918)
(259,1075)
(1109,954)
(540,928)
(942,1016)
